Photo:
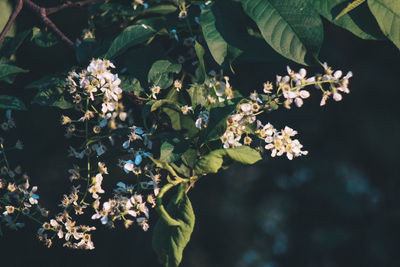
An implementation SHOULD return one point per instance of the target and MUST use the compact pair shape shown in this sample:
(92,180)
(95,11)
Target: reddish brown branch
(42,13)
(11,19)
(68,4)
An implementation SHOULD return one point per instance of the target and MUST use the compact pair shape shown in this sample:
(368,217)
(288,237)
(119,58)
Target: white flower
(129,166)
(186,109)
(155,90)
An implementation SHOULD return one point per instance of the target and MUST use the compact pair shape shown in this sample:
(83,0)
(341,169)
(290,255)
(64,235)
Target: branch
(11,19)
(42,13)
(68,4)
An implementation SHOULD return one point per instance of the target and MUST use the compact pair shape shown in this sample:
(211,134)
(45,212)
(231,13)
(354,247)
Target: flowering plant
(169,118)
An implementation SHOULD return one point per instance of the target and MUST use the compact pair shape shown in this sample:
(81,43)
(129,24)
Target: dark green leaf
(170,241)
(160,10)
(11,102)
(292,27)
(43,38)
(219,48)
(8,72)
(90,48)
(173,146)
(358,21)
(164,102)
(129,37)
(217,123)
(200,55)
(387,14)
(51,90)
(213,161)
(198,95)
(11,44)
(131,84)
(161,72)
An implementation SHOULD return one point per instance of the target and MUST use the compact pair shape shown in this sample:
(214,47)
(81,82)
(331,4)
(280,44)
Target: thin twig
(68,4)
(11,19)
(42,13)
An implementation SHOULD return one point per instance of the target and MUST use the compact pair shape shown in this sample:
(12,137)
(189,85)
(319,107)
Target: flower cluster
(280,142)
(289,89)
(17,197)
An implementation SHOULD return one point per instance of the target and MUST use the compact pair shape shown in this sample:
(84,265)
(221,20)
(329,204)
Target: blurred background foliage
(339,206)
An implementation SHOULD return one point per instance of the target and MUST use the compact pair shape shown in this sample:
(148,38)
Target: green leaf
(164,102)
(43,38)
(11,44)
(387,14)
(198,95)
(8,72)
(51,90)
(146,55)
(292,27)
(131,84)
(243,155)
(128,38)
(213,161)
(48,97)
(217,123)
(90,48)
(359,21)
(200,55)
(170,241)
(160,10)
(219,48)
(173,147)
(6,10)
(11,102)
(161,71)
(349,8)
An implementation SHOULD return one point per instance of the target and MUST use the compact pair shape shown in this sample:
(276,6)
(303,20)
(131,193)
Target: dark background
(336,207)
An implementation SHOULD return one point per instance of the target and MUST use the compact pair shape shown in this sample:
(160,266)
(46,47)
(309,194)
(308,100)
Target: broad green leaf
(243,155)
(190,157)
(90,48)
(8,72)
(359,21)
(180,122)
(6,10)
(56,81)
(48,97)
(387,14)
(202,68)
(219,48)
(170,241)
(215,160)
(51,90)
(198,95)
(173,147)
(11,44)
(129,37)
(217,123)
(164,102)
(161,72)
(138,61)
(292,27)
(11,102)
(211,162)
(229,35)
(131,84)
(43,38)
(160,9)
